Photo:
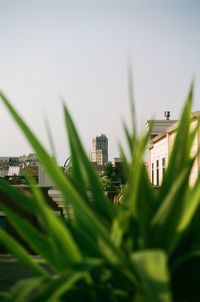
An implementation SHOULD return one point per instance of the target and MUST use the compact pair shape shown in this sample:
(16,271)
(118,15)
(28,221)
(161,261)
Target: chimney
(167,115)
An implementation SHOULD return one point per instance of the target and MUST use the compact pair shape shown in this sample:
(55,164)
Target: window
(3,221)
(152,173)
(157,172)
(163,166)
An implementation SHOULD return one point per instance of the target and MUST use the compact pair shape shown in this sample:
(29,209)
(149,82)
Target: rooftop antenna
(167,115)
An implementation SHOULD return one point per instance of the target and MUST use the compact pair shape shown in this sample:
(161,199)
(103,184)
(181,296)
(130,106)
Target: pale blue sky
(79,51)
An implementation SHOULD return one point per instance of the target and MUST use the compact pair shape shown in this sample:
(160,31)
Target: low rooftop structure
(159,126)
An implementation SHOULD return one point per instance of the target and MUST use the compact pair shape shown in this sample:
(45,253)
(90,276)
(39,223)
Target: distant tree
(109,170)
(111,180)
(106,183)
(109,186)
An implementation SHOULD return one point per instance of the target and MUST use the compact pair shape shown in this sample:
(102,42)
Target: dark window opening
(163,166)
(157,173)
(152,173)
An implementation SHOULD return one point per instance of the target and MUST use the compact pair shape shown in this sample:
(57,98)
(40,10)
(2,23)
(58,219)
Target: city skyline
(80,51)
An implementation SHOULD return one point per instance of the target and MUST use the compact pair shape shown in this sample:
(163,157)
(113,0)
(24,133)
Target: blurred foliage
(138,251)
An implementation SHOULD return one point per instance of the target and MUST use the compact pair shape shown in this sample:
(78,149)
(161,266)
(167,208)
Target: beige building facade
(160,147)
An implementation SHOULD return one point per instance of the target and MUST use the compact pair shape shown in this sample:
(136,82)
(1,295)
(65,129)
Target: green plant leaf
(64,246)
(40,243)
(24,200)
(4,297)
(181,148)
(166,219)
(152,269)
(55,288)
(23,289)
(84,213)
(103,253)
(85,172)
(16,249)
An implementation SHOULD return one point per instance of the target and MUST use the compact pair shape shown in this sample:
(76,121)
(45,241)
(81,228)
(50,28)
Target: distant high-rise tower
(100,150)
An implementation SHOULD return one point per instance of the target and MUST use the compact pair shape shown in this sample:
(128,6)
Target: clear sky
(79,51)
